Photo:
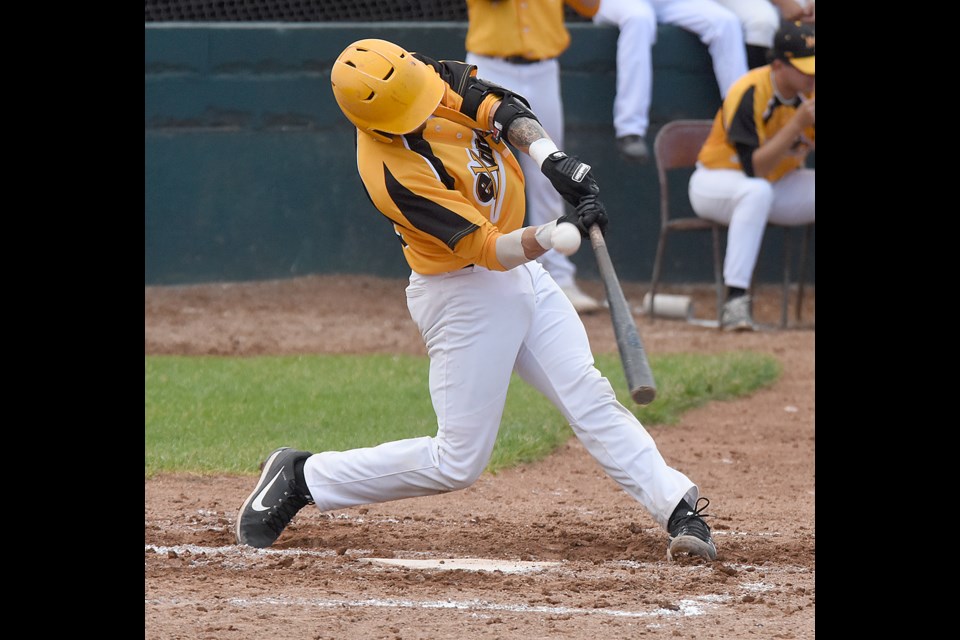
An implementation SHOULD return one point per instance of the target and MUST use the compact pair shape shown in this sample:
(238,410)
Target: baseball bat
(632,354)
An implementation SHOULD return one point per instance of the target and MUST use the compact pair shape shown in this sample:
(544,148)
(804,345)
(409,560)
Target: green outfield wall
(250,171)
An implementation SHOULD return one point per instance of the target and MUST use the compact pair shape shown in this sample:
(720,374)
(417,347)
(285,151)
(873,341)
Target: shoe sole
(693,546)
(265,468)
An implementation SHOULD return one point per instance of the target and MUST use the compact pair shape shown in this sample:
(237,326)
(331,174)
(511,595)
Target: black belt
(522,60)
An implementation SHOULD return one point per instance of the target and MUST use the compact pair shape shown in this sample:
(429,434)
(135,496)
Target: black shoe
(689,533)
(277,497)
(633,148)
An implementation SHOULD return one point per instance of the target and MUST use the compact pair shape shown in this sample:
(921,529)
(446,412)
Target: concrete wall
(249,166)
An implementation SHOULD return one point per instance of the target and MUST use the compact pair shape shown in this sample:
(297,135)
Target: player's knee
(754,200)
(759,32)
(641,24)
(461,473)
(757,191)
(455,480)
(725,26)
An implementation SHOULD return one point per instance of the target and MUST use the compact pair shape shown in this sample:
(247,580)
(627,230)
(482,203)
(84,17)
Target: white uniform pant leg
(717,27)
(556,360)
(795,198)
(637,23)
(473,322)
(759,18)
(539,83)
(742,204)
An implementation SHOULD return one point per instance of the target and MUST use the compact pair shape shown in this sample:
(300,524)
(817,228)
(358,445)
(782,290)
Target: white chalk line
(694,606)
(239,557)
(207,514)
(686,607)
(236,551)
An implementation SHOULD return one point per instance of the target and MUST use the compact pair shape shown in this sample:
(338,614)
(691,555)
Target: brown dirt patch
(753,457)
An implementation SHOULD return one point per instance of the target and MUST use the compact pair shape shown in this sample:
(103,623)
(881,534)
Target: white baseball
(565,238)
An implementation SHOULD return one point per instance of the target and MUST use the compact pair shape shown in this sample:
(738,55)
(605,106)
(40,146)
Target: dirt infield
(608,575)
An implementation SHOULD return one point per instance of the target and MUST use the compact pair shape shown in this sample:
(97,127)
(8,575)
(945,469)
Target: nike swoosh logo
(258,502)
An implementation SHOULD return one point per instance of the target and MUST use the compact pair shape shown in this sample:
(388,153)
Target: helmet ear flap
(384,90)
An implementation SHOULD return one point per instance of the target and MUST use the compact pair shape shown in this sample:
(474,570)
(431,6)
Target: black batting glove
(571,178)
(589,212)
(592,212)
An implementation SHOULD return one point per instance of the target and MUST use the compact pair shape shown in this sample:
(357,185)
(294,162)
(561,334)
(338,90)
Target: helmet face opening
(383,90)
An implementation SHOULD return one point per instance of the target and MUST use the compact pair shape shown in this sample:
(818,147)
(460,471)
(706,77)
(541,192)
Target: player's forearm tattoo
(524,132)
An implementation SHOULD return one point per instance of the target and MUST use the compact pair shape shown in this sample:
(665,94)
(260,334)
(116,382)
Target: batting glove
(590,211)
(571,178)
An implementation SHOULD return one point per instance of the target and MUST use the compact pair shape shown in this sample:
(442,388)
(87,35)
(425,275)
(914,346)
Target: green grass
(215,414)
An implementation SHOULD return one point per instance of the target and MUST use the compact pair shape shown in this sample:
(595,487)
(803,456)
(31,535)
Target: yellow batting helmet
(382,89)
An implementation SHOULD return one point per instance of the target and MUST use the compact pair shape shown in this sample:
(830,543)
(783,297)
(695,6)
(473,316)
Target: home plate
(464,564)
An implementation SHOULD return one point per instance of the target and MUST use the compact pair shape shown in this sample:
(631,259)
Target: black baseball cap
(795,42)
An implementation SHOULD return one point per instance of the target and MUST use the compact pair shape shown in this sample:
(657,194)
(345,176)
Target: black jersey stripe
(422,147)
(743,128)
(426,215)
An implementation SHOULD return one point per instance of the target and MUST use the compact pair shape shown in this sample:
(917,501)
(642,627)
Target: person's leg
(760,20)
(556,360)
(634,84)
(743,205)
(717,27)
(795,198)
(473,322)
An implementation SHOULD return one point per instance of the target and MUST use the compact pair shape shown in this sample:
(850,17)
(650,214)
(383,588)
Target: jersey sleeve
(741,124)
(460,78)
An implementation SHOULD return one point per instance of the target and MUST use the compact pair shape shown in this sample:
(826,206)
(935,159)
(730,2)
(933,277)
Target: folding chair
(676,146)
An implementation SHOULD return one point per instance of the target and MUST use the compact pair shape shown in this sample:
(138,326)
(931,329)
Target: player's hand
(589,211)
(571,178)
(806,113)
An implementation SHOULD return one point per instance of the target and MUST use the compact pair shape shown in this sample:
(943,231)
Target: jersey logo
(486,172)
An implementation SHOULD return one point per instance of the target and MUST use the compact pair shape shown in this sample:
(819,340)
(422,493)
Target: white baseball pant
(746,205)
(479,326)
(717,28)
(760,20)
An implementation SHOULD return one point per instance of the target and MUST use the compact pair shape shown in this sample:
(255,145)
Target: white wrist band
(544,234)
(542,148)
(510,249)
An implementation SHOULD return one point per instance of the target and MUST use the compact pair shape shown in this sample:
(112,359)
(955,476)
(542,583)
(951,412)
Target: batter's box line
(687,607)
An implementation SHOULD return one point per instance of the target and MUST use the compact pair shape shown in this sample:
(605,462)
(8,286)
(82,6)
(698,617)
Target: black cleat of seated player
(689,533)
(280,493)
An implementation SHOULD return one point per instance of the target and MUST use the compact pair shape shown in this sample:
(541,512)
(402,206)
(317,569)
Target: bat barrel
(632,354)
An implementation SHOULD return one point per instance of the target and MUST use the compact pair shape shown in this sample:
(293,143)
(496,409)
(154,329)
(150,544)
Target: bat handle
(596,236)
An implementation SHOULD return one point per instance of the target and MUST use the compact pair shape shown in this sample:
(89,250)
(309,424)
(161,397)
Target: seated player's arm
(769,154)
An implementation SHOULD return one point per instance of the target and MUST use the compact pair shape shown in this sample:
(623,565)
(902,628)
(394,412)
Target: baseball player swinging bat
(632,354)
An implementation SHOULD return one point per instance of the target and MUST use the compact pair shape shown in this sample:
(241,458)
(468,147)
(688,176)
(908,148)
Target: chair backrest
(676,147)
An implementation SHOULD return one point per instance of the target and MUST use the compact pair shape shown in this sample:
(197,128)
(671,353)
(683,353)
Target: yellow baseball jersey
(450,190)
(750,115)
(533,29)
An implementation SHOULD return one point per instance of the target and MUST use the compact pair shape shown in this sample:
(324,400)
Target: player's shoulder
(754,77)
(755,82)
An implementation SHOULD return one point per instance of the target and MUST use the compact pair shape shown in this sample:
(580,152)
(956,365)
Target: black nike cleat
(277,497)
(689,533)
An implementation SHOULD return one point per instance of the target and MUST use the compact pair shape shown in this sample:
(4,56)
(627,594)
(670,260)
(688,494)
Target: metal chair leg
(657,265)
(718,271)
(785,297)
(803,269)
